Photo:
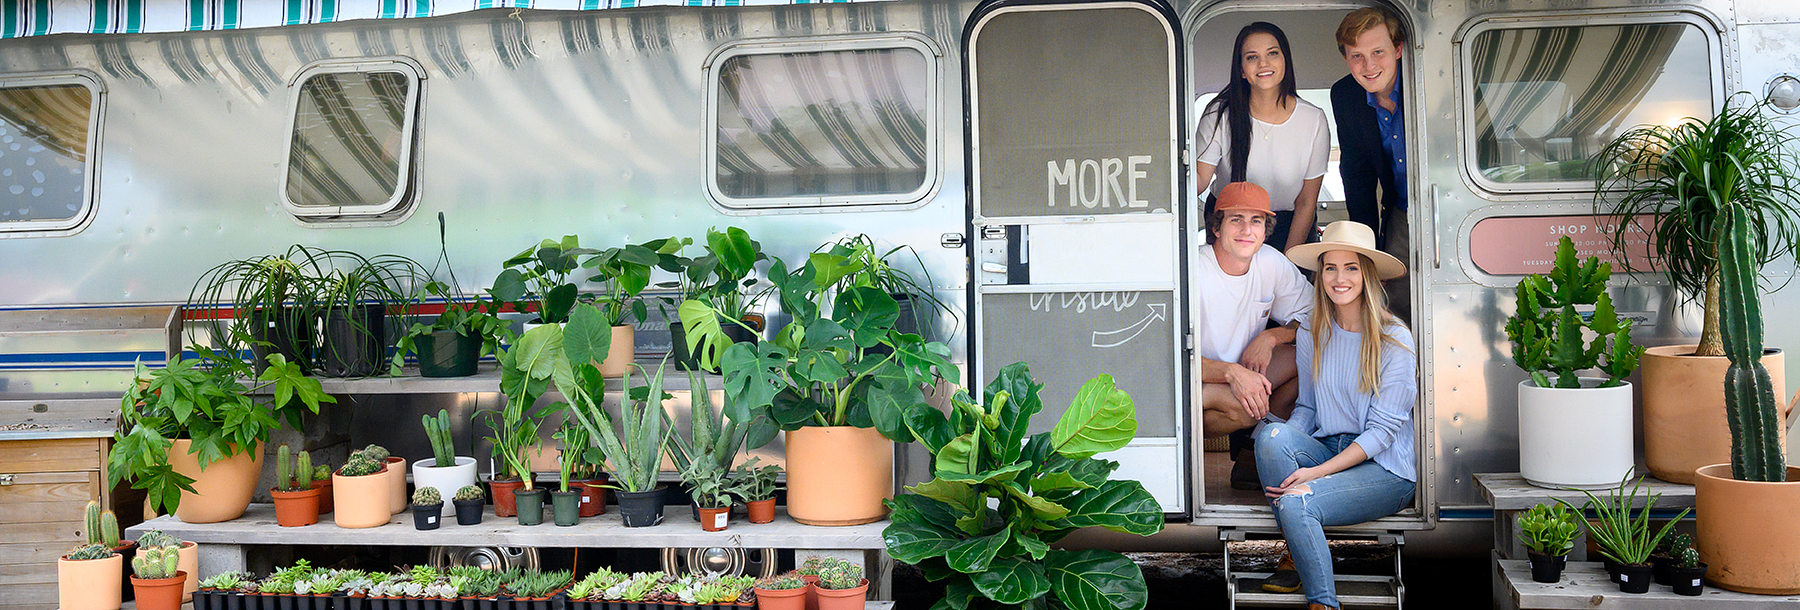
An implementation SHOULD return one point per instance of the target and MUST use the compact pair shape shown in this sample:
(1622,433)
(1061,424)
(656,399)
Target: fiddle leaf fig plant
(1550,337)
(984,524)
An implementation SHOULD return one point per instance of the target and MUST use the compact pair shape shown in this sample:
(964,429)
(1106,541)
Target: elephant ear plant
(1555,344)
(984,524)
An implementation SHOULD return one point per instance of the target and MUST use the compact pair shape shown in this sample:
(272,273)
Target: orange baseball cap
(1243,196)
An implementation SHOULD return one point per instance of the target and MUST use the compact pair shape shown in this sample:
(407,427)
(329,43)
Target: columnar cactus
(1750,405)
(438,430)
(109,529)
(284,468)
(156,563)
(91,522)
(303,472)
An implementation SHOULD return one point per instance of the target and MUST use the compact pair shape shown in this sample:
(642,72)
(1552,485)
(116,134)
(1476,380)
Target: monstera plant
(984,524)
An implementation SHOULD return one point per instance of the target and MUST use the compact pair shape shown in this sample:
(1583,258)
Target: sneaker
(1285,579)
(1243,472)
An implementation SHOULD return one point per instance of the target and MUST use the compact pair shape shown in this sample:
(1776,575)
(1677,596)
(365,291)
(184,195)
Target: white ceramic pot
(446,479)
(1580,438)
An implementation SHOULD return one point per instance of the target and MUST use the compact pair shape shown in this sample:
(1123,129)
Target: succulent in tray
(223,581)
(779,583)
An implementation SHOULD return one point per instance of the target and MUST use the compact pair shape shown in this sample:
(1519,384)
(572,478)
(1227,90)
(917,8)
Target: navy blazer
(1362,162)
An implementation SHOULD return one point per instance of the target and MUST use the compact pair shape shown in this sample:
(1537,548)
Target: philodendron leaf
(974,555)
(1101,419)
(1012,581)
(961,496)
(1120,506)
(1095,580)
(997,475)
(914,541)
(588,336)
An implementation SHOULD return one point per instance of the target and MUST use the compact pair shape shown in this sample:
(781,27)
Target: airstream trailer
(1037,155)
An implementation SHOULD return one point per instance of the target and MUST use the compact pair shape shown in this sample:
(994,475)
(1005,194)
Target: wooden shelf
(486,379)
(1508,491)
(1585,585)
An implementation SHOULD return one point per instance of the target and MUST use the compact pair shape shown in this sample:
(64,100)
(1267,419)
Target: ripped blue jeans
(1361,493)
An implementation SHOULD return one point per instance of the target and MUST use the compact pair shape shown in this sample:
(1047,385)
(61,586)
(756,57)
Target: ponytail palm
(1682,179)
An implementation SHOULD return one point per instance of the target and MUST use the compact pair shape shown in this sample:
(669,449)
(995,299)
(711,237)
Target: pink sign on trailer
(1518,245)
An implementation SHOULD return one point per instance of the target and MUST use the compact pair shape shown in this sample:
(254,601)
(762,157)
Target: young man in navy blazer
(1372,136)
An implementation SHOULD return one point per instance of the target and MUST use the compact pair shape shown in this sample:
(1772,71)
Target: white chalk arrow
(1111,338)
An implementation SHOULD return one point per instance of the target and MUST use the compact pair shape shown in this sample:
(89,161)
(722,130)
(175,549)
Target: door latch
(951,240)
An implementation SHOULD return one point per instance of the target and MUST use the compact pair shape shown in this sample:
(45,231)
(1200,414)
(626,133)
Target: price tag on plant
(719,519)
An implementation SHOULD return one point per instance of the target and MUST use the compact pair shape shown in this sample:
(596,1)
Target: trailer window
(846,122)
(48,128)
(350,148)
(1545,99)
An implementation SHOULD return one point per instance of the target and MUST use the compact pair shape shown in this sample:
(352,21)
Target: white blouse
(1282,156)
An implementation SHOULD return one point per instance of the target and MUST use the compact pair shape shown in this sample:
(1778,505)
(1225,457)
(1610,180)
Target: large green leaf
(889,398)
(588,336)
(753,373)
(1101,419)
(1012,581)
(1022,403)
(959,591)
(960,496)
(929,426)
(914,541)
(1058,482)
(958,455)
(1121,506)
(868,313)
(914,507)
(1042,508)
(997,475)
(736,251)
(974,555)
(509,286)
(1095,580)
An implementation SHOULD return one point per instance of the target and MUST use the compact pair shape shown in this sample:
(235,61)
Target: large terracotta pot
(620,355)
(1684,410)
(1746,531)
(223,489)
(189,562)
(397,496)
(362,501)
(839,475)
(91,584)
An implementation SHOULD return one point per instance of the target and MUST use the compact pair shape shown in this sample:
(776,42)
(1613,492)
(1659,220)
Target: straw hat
(1347,235)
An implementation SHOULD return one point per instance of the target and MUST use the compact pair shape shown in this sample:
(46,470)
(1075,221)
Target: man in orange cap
(1240,283)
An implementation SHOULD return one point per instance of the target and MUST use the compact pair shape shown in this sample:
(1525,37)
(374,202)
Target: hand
(1299,477)
(1252,390)
(1258,353)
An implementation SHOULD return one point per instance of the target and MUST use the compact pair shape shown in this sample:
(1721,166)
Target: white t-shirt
(1234,308)
(1282,157)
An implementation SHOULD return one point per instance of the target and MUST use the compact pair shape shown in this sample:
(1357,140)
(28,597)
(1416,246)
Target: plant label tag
(584,499)
(1624,578)
(431,519)
(719,519)
(1696,582)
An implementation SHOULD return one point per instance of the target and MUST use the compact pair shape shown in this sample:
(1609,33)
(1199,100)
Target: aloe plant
(1557,344)
(1622,537)
(984,524)
(1751,408)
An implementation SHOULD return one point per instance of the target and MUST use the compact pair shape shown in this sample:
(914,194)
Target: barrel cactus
(468,493)
(1751,409)
(359,465)
(427,496)
(844,575)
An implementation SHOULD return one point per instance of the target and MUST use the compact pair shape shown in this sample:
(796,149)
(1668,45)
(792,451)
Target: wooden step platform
(1584,585)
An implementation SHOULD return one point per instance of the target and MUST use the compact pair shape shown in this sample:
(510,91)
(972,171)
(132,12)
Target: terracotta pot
(158,594)
(296,508)
(326,503)
(91,584)
(397,498)
(362,501)
(502,491)
(593,496)
(222,489)
(1746,531)
(782,599)
(761,511)
(189,561)
(715,519)
(842,599)
(839,475)
(621,353)
(1684,410)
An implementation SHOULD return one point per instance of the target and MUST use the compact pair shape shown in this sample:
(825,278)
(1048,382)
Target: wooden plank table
(1510,496)
(1584,585)
(223,545)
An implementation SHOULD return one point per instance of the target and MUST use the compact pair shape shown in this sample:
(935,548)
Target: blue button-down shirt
(1393,137)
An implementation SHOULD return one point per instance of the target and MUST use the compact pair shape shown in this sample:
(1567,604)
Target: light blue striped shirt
(1330,404)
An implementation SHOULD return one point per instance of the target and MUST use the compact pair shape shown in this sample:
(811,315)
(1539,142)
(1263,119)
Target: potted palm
(1550,531)
(190,433)
(296,500)
(275,303)
(1679,183)
(1720,199)
(1625,540)
(1574,431)
(445,469)
(354,302)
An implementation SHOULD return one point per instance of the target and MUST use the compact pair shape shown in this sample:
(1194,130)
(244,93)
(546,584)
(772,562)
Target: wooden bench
(1584,585)
(223,545)
(1511,496)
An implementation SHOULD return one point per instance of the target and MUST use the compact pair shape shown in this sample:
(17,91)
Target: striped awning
(21,18)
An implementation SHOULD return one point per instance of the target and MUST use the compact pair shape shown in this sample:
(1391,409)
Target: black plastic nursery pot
(1612,569)
(1688,581)
(1635,578)
(1659,569)
(234,600)
(678,351)
(284,602)
(1546,568)
(290,331)
(641,508)
(565,507)
(427,516)
(355,340)
(445,353)
(468,512)
(530,504)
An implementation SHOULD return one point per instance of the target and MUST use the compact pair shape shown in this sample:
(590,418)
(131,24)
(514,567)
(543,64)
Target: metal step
(1352,591)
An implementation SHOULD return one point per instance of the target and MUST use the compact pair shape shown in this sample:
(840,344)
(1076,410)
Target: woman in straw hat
(1347,454)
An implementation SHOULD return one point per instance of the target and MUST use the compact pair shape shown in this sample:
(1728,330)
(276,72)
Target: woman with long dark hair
(1258,130)
(1347,455)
